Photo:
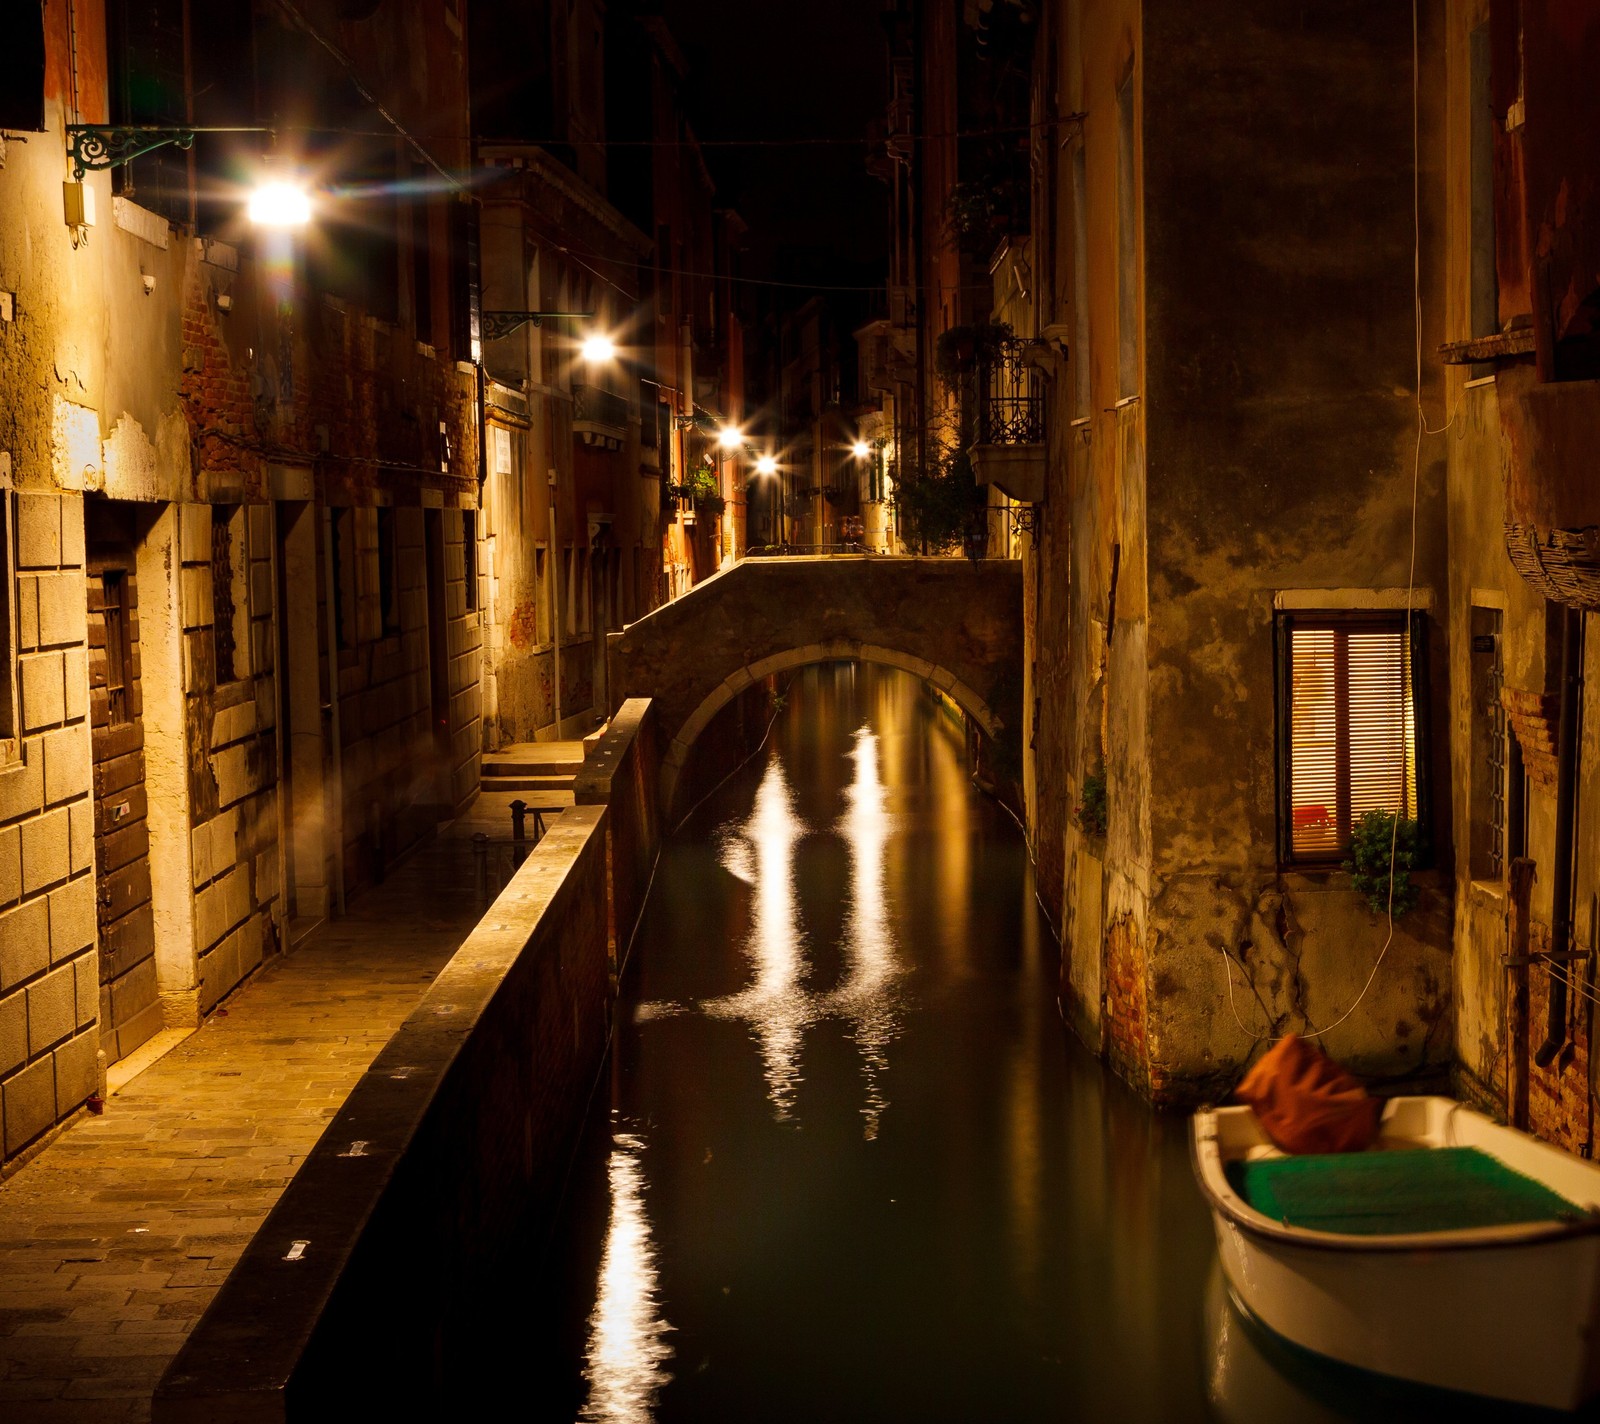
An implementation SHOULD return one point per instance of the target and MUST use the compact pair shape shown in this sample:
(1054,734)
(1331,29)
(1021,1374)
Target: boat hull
(1508,1312)
(1513,1323)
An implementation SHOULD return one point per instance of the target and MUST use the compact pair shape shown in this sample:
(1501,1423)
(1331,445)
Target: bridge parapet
(955,623)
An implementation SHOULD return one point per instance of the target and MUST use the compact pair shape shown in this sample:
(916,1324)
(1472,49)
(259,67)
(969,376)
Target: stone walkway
(115,1238)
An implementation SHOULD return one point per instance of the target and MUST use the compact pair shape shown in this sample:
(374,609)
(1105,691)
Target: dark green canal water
(852,1166)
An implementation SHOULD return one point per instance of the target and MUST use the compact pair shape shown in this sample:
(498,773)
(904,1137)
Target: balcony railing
(594,405)
(1010,394)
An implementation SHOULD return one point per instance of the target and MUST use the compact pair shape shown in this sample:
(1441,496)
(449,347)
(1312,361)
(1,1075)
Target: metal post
(1521,875)
(519,831)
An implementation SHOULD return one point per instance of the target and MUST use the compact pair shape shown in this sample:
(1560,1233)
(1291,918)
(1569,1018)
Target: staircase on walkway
(539,773)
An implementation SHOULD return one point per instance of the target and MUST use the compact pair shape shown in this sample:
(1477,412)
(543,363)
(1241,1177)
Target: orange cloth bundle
(1306,1102)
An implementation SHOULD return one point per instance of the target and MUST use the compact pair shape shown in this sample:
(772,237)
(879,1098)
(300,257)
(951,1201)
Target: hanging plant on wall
(1093,811)
(702,489)
(1370,846)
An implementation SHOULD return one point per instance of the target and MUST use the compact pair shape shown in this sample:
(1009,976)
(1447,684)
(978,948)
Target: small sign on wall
(499,450)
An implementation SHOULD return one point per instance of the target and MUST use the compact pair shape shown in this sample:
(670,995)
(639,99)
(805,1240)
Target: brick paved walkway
(114,1239)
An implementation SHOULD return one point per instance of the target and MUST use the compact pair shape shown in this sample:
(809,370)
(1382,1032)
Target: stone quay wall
(621,772)
(382,1270)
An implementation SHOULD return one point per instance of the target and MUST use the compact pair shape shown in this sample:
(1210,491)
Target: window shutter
(22,71)
(466,302)
(1349,743)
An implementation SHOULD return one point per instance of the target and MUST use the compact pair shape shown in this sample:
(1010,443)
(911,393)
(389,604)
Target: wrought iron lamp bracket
(1024,519)
(497,324)
(94,147)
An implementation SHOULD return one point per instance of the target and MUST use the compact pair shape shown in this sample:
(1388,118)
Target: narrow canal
(853,1167)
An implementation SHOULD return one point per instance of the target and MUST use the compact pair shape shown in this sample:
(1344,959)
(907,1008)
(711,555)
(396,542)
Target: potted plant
(1377,844)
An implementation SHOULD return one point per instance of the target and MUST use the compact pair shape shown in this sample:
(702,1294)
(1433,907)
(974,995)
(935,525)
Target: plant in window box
(702,490)
(1376,836)
(1093,811)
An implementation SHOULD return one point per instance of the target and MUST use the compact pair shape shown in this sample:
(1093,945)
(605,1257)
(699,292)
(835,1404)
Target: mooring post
(519,831)
(480,853)
(1521,886)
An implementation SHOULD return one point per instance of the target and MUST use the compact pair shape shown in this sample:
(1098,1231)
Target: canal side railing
(378,1280)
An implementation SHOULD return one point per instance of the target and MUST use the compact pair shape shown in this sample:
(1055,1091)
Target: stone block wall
(383,689)
(49,971)
(230,711)
(463,602)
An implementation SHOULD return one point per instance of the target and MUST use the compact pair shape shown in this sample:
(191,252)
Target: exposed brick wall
(1124,1011)
(216,391)
(1559,1106)
(49,970)
(1533,718)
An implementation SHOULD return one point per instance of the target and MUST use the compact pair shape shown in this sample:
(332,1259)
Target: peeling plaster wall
(1279,353)
(1267,445)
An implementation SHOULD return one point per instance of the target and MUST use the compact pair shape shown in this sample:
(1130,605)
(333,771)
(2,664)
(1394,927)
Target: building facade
(291,537)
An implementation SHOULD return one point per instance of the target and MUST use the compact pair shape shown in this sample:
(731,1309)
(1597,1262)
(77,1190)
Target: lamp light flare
(730,437)
(279,204)
(766,465)
(598,349)
(861,449)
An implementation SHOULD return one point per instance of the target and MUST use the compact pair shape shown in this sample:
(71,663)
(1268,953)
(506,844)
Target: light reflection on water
(866,998)
(775,1005)
(778,1005)
(627,1351)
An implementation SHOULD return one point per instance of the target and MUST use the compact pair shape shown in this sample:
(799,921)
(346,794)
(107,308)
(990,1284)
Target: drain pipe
(1566,806)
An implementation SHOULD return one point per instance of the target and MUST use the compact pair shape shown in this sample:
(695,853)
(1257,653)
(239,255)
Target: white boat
(1507,1311)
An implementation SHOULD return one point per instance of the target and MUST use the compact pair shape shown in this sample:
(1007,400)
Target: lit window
(1349,734)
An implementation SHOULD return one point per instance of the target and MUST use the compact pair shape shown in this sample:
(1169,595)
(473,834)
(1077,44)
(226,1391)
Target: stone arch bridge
(956,623)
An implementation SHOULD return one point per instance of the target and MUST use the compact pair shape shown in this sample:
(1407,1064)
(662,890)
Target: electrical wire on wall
(1411,570)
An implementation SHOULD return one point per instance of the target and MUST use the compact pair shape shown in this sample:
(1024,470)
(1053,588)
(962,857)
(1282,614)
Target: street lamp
(861,449)
(766,465)
(598,349)
(730,437)
(279,203)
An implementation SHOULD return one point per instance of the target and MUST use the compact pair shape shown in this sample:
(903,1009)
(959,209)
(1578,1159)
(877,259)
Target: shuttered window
(1350,733)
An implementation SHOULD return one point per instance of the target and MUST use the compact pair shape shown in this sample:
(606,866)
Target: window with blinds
(1349,731)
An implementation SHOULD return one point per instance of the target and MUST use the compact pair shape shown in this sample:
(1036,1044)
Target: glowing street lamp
(598,349)
(279,203)
(766,465)
(861,449)
(730,437)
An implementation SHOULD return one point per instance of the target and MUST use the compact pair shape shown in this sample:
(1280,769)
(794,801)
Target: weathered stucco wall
(1280,362)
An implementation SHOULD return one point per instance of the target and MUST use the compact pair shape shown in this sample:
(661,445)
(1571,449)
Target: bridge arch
(833,651)
(955,623)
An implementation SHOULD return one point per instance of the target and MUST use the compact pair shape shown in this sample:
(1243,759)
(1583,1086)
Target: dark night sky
(791,69)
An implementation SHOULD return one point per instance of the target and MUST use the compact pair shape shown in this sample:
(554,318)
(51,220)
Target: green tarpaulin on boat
(1390,1193)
